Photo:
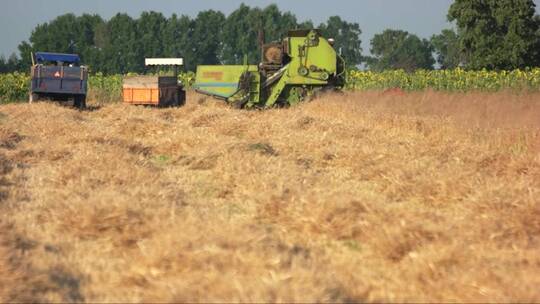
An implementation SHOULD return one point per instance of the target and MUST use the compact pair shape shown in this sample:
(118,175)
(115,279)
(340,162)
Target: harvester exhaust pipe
(261,38)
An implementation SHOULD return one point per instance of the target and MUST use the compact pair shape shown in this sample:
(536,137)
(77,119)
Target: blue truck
(59,77)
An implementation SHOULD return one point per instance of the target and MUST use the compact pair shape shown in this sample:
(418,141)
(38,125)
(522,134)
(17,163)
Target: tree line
(490,34)
(120,44)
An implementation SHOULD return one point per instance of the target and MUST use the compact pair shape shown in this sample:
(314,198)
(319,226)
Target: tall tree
(347,37)
(396,49)
(276,24)
(13,63)
(240,32)
(446,46)
(3,65)
(177,37)
(84,44)
(120,49)
(150,28)
(120,44)
(66,34)
(25,50)
(240,35)
(497,34)
(206,40)
(9,65)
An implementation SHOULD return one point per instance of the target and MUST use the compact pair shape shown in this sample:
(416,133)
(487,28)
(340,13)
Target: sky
(421,17)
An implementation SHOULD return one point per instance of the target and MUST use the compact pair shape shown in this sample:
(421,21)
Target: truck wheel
(33,97)
(181,97)
(80,102)
(83,102)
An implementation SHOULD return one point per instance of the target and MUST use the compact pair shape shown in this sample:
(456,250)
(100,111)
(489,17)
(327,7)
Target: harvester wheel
(296,95)
(321,91)
(239,104)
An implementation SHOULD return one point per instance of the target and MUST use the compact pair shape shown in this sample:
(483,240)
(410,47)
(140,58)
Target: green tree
(396,49)
(55,36)
(13,63)
(120,44)
(242,26)
(307,24)
(177,37)
(240,35)
(65,34)
(497,34)
(3,65)
(275,23)
(446,46)
(206,39)
(150,29)
(85,32)
(120,49)
(25,49)
(9,65)
(347,37)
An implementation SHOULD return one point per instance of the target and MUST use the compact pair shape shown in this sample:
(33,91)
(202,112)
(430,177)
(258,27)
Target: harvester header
(290,70)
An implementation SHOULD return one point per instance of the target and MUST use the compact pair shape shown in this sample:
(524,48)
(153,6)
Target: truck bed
(152,90)
(59,80)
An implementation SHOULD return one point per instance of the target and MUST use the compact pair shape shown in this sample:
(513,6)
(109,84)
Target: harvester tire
(239,104)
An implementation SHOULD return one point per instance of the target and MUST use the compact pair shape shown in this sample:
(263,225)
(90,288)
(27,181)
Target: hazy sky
(422,17)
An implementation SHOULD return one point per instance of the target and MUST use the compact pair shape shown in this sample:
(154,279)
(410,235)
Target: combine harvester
(296,68)
(160,91)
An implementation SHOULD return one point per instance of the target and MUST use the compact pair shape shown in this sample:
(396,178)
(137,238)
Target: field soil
(355,197)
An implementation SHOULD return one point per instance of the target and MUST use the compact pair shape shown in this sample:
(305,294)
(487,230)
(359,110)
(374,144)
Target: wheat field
(361,197)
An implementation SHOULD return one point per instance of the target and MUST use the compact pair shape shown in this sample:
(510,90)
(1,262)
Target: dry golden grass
(356,197)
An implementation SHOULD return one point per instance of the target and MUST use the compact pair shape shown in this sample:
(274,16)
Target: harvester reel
(245,82)
(244,88)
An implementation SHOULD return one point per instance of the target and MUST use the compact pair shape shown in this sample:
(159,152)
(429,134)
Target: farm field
(394,196)
(108,88)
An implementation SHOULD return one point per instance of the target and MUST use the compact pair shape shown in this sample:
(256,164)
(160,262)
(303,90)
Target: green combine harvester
(300,66)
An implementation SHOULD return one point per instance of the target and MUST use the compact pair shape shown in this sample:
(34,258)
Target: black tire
(239,104)
(79,102)
(33,97)
(83,102)
(181,97)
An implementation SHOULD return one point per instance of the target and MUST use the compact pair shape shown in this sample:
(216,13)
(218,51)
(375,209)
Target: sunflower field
(445,80)
(13,86)
(103,88)
(108,88)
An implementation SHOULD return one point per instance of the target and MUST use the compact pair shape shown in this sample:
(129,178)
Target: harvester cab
(291,70)
(155,90)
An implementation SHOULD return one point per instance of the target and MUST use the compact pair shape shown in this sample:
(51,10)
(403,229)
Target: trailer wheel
(79,102)
(181,97)
(83,102)
(32,97)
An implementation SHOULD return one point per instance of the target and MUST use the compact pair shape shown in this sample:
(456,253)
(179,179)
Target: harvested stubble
(361,197)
